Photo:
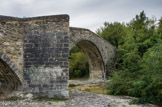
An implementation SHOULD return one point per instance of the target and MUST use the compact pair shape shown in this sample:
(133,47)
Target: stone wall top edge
(79,29)
(64,17)
(84,29)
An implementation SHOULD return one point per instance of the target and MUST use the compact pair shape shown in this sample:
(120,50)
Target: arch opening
(94,58)
(79,67)
(9,81)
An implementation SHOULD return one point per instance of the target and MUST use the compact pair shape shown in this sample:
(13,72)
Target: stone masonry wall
(46,50)
(106,50)
(11,44)
(34,54)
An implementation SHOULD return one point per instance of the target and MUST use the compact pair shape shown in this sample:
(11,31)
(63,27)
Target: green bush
(138,66)
(72,85)
(79,67)
(146,83)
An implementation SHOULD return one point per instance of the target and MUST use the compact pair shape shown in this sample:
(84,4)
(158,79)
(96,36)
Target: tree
(113,32)
(159,29)
(139,58)
(143,32)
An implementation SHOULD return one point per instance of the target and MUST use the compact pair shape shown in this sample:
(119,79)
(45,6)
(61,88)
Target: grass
(14,98)
(98,89)
(72,85)
(49,99)
(79,78)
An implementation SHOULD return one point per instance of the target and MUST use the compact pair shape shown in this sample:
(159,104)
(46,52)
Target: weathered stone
(34,54)
(98,51)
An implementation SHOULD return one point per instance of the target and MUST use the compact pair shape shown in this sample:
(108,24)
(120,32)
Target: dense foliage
(79,67)
(138,66)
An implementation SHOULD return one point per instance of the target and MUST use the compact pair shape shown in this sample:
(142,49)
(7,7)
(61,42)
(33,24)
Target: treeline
(138,66)
(137,70)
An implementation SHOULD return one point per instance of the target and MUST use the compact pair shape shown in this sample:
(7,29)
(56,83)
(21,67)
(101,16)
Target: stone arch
(106,50)
(94,56)
(9,75)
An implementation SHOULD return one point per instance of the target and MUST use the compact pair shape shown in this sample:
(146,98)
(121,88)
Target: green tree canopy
(113,32)
(138,64)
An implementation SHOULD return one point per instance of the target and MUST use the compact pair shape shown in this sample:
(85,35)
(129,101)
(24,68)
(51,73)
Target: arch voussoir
(10,80)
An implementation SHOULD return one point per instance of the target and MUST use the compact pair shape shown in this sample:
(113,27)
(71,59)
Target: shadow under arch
(9,80)
(94,57)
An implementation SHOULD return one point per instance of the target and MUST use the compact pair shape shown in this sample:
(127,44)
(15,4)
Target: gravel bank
(78,99)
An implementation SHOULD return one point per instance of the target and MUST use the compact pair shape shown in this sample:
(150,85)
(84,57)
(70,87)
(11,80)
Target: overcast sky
(89,14)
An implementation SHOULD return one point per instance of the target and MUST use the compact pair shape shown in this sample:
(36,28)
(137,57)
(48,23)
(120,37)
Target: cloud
(83,13)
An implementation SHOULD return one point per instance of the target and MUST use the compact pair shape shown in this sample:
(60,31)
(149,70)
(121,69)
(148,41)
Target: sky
(89,14)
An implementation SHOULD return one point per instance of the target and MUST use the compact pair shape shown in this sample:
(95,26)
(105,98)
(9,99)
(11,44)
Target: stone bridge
(34,54)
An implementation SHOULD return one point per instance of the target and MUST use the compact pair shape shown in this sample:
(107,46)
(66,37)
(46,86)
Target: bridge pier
(38,51)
